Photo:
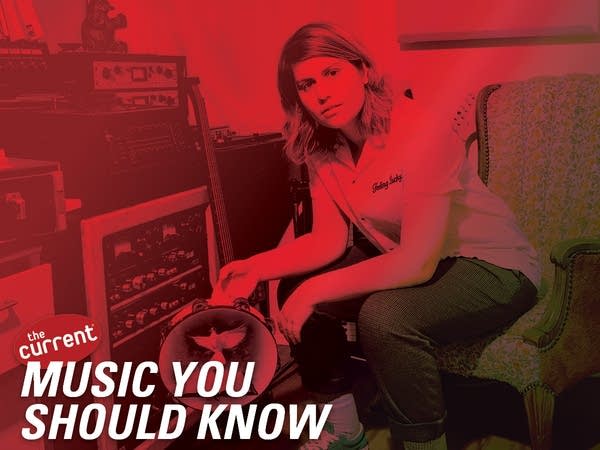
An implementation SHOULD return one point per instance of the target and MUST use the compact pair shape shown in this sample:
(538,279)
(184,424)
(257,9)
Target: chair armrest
(563,251)
(564,254)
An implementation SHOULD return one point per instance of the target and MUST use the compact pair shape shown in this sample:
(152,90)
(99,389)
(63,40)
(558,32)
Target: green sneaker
(331,441)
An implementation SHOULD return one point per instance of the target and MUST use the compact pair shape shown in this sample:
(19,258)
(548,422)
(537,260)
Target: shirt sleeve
(435,158)
(317,189)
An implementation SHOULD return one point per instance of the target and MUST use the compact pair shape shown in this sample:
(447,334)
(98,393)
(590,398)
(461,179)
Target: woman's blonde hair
(302,133)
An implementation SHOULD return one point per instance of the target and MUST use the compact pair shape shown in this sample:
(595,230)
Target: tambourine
(201,332)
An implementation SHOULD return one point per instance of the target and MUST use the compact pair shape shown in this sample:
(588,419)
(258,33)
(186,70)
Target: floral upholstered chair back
(540,152)
(539,149)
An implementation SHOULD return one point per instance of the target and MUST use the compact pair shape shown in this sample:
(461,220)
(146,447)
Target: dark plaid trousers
(399,330)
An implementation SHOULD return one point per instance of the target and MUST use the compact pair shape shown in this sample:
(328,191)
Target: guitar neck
(214,180)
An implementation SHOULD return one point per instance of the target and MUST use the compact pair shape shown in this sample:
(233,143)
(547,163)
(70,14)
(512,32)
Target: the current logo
(65,337)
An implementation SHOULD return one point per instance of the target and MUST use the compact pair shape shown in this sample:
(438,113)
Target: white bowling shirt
(412,161)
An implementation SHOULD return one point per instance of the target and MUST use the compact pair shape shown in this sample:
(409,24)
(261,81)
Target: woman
(443,259)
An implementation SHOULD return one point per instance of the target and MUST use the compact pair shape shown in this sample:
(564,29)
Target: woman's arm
(324,244)
(413,262)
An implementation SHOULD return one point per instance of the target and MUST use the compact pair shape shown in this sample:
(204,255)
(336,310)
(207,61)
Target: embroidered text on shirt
(384,185)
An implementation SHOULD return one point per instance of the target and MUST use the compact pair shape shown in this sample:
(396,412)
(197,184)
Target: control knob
(164,305)
(151,277)
(126,287)
(142,317)
(130,322)
(138,282)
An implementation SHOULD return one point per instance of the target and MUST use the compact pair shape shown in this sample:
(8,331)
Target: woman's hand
(296,310)
(236,279)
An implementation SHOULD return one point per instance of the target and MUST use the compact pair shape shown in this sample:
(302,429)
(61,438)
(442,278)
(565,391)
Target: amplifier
(255,182)
(32,199)
(110,160)
(23,68)
(142,266)
(113,82)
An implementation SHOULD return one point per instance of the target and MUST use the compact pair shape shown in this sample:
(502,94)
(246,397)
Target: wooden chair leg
(539,406)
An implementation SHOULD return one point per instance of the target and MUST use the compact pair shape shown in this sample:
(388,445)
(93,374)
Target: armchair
(539,149)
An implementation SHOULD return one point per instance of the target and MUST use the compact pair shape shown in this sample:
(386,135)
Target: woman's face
(331,89)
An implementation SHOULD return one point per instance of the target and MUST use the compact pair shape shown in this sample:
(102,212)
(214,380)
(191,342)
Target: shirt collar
(373,147)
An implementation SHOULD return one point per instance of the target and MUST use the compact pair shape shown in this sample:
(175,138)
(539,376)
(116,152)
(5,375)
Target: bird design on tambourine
(218,343)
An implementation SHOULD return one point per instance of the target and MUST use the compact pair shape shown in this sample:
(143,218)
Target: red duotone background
(233,47)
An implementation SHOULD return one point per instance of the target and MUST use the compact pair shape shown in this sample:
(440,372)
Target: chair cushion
(502,356)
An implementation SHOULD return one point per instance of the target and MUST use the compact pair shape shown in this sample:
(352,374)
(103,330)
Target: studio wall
(233,46)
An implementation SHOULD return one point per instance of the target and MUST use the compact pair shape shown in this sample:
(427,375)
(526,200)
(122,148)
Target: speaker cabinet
(256,189)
